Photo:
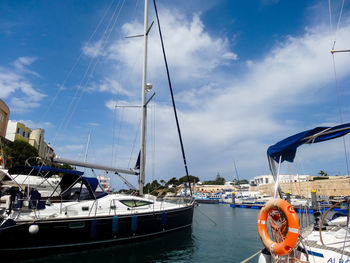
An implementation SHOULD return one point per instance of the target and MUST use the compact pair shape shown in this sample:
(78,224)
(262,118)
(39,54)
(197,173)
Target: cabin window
(142,203)
(135,203)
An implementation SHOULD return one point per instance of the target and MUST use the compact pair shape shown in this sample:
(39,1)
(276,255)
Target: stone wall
(337,186)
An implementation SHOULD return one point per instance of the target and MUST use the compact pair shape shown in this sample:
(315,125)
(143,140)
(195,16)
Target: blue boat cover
(93,182)
(286,149)
(42,170)
(56,170)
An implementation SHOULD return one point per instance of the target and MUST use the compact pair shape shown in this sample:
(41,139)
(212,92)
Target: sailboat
(79,213)
(316,243)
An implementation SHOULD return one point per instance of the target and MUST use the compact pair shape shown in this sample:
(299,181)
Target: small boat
(208,198)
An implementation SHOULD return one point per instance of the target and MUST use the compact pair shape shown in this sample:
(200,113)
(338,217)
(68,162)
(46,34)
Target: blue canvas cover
(46,171)
(54,170)
(93,182)
(286,149)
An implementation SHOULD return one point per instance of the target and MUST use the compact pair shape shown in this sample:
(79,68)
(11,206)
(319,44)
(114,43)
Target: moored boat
(78,212)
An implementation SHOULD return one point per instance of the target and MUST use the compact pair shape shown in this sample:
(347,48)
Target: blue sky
(246,74)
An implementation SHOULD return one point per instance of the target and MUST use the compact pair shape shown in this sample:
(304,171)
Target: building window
(18,130)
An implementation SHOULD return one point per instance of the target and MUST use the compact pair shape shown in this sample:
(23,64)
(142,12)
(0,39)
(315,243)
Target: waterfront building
(290,178)
(36,139)
(263,179)
(4,117)
(17,131)
(105,182)
(284,178)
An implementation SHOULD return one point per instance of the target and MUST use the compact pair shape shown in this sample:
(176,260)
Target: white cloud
(93,49)
(22,63)
(114,87)
(33,125)
(230,116)
(221,118)
(190,50)
(17,88)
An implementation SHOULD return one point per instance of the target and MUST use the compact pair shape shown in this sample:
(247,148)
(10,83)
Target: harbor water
(220,233)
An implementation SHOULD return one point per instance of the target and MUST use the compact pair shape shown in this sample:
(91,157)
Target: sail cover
(286,149)
(42,170)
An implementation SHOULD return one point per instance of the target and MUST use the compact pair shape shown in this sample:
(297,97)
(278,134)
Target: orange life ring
(291,239)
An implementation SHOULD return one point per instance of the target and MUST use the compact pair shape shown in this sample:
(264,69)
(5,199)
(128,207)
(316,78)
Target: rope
(277,183)
(323,218)
(206,216)
(172,99)
(251,257)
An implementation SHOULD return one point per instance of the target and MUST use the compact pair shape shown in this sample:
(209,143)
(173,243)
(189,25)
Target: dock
(299,209)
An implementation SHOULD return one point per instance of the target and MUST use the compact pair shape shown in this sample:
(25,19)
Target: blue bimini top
(286,149)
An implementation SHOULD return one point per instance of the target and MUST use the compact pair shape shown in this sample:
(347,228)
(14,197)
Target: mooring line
(207,216)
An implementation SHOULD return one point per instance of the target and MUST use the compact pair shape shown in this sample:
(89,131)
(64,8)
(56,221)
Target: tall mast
(141,180)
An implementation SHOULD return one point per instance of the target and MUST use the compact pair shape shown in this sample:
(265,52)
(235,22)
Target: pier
(299,209)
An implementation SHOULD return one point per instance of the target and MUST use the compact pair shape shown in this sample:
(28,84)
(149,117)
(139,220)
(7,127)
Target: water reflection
(173,247)
(219,233)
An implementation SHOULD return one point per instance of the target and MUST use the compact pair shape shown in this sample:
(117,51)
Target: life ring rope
(292,236)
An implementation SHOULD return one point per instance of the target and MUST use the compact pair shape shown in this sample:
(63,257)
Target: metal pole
(141,180)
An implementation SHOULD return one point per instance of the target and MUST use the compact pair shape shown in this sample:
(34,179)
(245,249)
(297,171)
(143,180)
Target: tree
(151,187)
(322,173)
(172,181)
(18,152)
(243,181)
(184,179)
(218,181)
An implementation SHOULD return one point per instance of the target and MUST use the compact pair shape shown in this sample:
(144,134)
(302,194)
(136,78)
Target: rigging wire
(153,130)
(76,62)
(113,132)
(340,111)
(172,98)
(104,43)
(134,143)
(338,23)
(89,73)
(115,153)
(114,159)
(336,77)
(338,100)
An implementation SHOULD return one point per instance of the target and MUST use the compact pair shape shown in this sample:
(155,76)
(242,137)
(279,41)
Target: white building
(17,131)
(264,179)
(284,178)
(105,182)
(290,178)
